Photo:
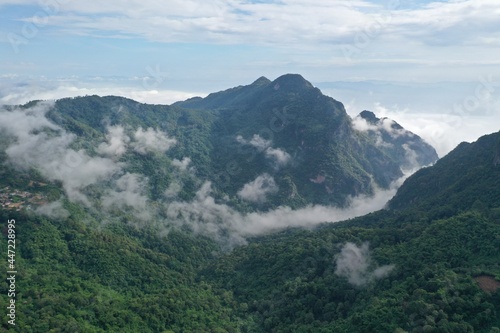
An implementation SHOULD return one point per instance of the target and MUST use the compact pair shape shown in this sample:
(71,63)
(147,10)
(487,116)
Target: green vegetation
(411,268)
(76,277)
(310,132)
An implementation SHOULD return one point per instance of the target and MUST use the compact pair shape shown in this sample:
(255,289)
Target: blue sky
(412,60)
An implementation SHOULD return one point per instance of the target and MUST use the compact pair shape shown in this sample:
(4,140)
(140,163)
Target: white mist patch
(207,216)
(173,190)
(278,156)
(53,209)
(257,190)
(181,164)
(23,90)
(355,264)
(256,141)
(384,125)
(128,193)
(40,144)
(151,140)
(116,144)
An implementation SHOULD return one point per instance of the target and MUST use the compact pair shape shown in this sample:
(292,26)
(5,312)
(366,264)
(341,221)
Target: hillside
(398,143)
(264,145)
(404,270)
(119,229)
(305,140)
(468,175)
(399,270)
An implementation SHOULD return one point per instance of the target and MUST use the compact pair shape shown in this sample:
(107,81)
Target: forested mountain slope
(404,270)
(99,247)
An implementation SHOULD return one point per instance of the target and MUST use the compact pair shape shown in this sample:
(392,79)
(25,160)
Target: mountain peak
(261,81)
(292,82)
(402,145)
(369,116)
(372,119)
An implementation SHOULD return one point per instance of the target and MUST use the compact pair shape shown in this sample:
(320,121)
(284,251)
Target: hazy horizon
(429,65)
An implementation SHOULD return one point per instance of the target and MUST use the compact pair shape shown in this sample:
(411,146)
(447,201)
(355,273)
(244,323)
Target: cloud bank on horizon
(391,40)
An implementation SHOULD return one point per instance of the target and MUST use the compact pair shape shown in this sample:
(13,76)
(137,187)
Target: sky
(433,66)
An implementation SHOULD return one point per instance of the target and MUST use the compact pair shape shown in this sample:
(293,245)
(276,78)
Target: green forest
(80,276)
(428,262)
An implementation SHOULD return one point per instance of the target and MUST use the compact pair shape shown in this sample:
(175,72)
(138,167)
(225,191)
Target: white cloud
(48,152)
(361,125)
(257,22)
(172,190)
(20,90)
(128,193)
(416,41)
(279,156)
(384,124)
(151,140)
(258,189)
(411,158)
(117,142)
(256,141)
(354,263)
(183,164)
(445,130)
(207,216)
(53,209)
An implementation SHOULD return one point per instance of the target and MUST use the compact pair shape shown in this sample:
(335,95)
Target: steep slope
(304,140)
(404,270)
(264,145)
(470,174)
(403,146)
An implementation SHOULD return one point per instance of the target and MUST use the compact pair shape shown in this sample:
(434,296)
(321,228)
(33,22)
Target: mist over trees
(262,208)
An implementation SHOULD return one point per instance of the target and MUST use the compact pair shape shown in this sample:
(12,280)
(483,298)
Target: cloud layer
(40,144)
(208,216)
(278,157)
(16,89)
(151,140)
(35,142)
(355,264)
(265,22)
(116,144)
(443,129)
(257,190)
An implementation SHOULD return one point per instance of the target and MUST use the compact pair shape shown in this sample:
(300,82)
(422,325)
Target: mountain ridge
(284,130)
(307,124)
(131,257)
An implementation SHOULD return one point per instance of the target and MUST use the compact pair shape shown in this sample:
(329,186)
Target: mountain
(410,268)
(305,140)
(404,269)
(263,145)
(401,145)
(469,175)
(126,216)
